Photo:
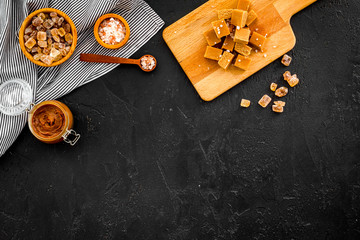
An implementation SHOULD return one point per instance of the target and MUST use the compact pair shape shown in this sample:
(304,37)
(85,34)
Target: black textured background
(156,162)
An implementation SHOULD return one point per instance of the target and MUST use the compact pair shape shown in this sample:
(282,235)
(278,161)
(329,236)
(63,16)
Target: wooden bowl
(96,31)
(28,21)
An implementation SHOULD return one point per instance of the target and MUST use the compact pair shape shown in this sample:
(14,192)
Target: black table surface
(156,162)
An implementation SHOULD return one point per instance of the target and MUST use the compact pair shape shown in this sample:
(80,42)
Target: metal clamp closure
(73,141)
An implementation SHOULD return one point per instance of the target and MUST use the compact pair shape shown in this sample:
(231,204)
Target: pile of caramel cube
(230,38)
(48,38)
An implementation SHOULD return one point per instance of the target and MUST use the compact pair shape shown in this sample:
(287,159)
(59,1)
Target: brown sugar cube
(228,44)
(30,43)
(245,103)
(224,13)
(226,60)
(280,103)
(55,54)
(213,53)
(257,40)
(286,60)
(281,92)
(273,87)
(242,35)
(277,108)
(54,32)
(37,56)
(46,59)
(211,37)
(238,18)
(41,36)
(243,49)
(293,81)
(42,44)
(264,101)
(61,32)
(242,62)
(252,16)
(68,38)
(287,76)
(220,27)
(243,5)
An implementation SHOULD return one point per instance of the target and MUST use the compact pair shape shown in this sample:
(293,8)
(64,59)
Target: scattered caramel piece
(213,53)
(243,5)
(252,16)
(286,60)
(226,60)
(30,43)
(242,35)
(211,37)
(287,76)
(238,18)
(243,49)
(220,27)
(280,103)
(228,44)
(281,92)
(257,40)
(245,103)
(277,108)
(264,101)
(242,62)
(293,81)
(273,87)
(225,13)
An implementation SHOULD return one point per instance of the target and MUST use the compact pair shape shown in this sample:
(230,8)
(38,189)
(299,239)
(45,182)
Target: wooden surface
(185,39)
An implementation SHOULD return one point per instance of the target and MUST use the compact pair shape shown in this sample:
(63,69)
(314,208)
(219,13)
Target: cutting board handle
(287,8)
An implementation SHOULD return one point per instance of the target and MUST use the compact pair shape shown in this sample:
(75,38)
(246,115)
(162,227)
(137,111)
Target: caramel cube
(273,87)
(243,5)
(252,16)
(226,60)
(281,92)
(242,35)
(225,13)
(30,43)
(68,38)
(61,32)
(238,18)
(220,27)
(293,81)
(257,40)
(42,44)
(242,62)
(211,37)
(277,108)
(287,76)
(243,49)
(213,53)
(264,101)
(245,103)
(280,103)
(41,36)
(228,44)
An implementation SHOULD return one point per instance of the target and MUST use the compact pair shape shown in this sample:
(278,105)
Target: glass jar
(51,122)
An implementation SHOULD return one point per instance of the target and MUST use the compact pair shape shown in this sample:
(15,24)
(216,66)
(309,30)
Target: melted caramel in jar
(48,121)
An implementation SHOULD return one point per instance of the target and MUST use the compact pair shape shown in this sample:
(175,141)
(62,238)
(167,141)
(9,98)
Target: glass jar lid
(15,97)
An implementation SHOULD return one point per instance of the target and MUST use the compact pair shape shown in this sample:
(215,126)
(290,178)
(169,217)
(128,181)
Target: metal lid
(15,97)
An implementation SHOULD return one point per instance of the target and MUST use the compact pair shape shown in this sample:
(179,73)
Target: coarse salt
(112,31)
(148,62)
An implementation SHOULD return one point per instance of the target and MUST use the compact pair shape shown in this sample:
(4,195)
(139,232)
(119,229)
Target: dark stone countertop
(157,162)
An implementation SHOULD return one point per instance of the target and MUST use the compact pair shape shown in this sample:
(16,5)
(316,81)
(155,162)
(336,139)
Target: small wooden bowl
(96,31)
(28,21)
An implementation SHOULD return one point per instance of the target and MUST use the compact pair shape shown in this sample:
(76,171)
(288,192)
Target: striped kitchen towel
(55,82)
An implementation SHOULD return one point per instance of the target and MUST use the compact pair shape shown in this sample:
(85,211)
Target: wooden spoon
(108,59)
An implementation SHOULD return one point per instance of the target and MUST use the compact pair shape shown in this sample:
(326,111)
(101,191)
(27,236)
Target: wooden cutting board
(185,39)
